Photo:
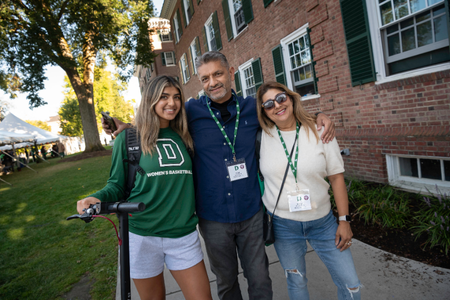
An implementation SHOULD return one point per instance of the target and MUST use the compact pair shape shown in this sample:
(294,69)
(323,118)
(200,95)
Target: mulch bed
(400,242)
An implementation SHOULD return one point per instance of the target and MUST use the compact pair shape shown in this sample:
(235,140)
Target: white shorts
(149,253)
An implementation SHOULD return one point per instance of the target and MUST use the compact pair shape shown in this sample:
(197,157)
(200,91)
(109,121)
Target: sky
(53,91)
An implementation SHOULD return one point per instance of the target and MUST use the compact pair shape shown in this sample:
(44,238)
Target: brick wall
(409,116)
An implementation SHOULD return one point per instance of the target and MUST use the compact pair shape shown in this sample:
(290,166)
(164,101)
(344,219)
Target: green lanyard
(222,129)
(293,168)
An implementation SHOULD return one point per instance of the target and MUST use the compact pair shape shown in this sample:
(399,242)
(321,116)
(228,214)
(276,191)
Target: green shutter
(163,56)
(205,40)
(183,12)
(278,63)
(248,10)
(226,16)
(173,31)
(198,1)
(174,59)
(191,61)
(447,14)
(267,2)
(217,31)
(313,63)
(357,37)
(257,73)
(237,82)
(197,46)
(179,23)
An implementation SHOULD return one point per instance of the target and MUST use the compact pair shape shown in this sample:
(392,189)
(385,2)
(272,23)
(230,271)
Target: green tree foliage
(108,91)
(3,108)
(70,34)
(39,124)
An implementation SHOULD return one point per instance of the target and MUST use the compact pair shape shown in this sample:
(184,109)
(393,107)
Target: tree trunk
(87,112)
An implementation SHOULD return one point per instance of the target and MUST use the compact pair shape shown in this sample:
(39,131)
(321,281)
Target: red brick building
(380,69)
(162,44)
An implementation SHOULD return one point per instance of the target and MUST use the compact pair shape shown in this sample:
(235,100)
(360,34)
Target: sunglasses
(280,98)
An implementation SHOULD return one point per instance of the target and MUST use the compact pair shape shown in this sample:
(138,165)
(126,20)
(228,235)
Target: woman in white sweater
(303,212)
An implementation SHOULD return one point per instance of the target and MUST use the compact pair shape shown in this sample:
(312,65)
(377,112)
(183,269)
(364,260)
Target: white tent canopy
(7,137)
(13,124)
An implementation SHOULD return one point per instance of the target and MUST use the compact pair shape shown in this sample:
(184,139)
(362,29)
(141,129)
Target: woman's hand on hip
(343,236)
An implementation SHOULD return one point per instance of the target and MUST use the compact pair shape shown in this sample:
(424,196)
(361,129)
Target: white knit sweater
(315,162)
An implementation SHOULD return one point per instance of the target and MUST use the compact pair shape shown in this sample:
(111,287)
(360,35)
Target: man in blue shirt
(228,202)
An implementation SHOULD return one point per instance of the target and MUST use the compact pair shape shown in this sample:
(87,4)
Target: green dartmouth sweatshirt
(167,188)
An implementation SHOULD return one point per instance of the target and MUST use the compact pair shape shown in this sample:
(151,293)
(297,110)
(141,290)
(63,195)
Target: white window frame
(412,183)
(233,21)
(184,66)
(177,27)
(242,68)
(173,58)
(208,24)
(186,8)
(287,64)
(169,35)
(193,55)
(378,51)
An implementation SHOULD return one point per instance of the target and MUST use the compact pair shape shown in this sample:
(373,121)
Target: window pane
(298,61)
(431,2)
(308,73)
(291,49)
(296,46)
(394,44)
(401,8)
(424,34)
(440,28)
(408,167)
(416,5)
(302,74)
(447,170)
(431,168)
(386,13)
(302,43)
(407,23)
(293,66)
(423,16)
(392,29)
(305,90)
(296,75)
(306,57)
(408,39)
(438,10)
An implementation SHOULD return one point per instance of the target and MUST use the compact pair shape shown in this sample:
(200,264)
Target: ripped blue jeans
(290,244)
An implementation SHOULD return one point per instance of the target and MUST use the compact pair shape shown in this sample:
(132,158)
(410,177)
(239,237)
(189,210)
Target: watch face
(348,218)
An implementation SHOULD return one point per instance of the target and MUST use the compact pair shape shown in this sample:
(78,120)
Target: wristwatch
(346,218)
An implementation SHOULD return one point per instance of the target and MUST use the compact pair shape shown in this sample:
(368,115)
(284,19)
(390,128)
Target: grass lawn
(41,254)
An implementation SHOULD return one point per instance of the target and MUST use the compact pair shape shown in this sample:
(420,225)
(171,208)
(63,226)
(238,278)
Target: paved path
(384,276)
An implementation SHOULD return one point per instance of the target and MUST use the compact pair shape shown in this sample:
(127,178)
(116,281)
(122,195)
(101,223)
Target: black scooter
(121,209)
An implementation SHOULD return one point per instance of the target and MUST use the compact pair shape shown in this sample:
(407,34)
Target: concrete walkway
(384,276)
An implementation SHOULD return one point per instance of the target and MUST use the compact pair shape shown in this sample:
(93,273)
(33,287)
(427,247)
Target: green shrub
(434,221)
(386,207)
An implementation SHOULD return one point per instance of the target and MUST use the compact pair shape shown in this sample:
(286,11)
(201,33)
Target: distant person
(44,152)
(62,149)
(33,154)
(54,150)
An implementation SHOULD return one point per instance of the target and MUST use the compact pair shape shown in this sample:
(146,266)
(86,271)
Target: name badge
(237,169)
(299,200)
